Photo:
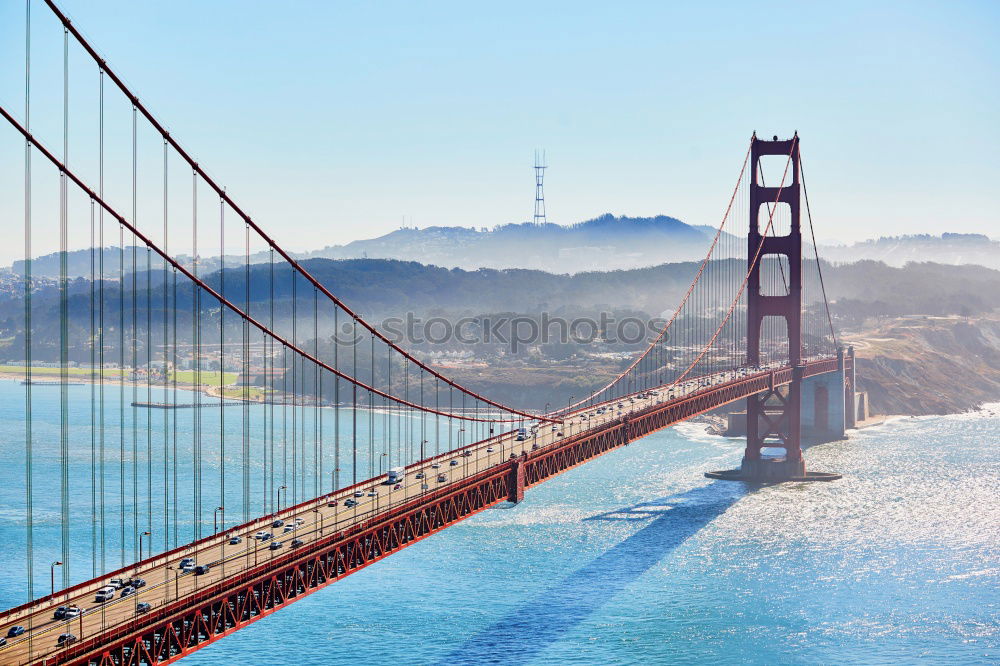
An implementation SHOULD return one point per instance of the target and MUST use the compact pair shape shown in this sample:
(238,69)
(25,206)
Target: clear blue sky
(330,121)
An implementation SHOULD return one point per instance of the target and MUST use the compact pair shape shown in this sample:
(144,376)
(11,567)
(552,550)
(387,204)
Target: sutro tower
(540,168)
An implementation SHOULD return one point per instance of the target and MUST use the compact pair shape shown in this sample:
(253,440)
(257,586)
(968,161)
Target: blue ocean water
(636,558)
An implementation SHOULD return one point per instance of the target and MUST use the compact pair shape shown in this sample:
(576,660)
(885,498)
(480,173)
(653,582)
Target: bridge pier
(515,480)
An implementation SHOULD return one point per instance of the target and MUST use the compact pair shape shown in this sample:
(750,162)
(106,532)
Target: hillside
(929,365)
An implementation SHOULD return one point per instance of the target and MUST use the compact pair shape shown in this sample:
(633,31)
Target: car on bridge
(65,639)
(297,542)
(106,593)
(278,523)
(126,591)
(142,607)
(185,564)
(15,631)
(233,540)
(67,612)
(201,570)
(442,478)
(275,545)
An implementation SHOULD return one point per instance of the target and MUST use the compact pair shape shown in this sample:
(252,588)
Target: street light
(177,573)
(52,575)
(380,460)
(144,534)
(215,518)
(280,488)
(317,511)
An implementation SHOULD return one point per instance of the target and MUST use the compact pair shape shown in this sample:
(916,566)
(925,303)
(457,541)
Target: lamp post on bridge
(177,587)
(280,488)
(144,534)
(215,519)
(320,514)
(52,576)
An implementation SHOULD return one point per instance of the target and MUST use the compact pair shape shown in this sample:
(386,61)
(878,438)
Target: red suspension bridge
(352,447)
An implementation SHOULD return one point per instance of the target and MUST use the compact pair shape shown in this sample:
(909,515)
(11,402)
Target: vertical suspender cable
(100,305)
(134,341)
(196,334)
(222,360)
(166,361)
(64,328)
(336,400)
(93,405)
(28,449)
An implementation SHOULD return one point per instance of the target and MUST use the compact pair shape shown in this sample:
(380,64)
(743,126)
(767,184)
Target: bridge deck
(326,519)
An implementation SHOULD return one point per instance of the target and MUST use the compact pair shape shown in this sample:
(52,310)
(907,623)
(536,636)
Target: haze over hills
(948,248)
(605,243)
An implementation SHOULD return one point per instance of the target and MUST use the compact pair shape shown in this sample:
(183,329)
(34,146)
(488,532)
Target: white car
(260,536)
(106,593)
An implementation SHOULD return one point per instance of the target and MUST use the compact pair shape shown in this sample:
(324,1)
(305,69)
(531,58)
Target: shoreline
(710,421)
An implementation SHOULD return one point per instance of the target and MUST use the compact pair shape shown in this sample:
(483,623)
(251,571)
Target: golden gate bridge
(352,447)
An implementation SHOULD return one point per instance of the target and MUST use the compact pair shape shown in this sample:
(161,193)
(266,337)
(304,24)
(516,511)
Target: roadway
(165,583)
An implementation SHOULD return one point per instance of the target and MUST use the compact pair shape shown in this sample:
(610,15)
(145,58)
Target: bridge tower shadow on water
(774,417)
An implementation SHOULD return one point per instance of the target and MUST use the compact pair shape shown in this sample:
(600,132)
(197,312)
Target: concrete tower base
(771,470)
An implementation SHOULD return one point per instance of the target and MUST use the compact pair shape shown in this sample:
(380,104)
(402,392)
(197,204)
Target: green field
(208,377)
(253,393)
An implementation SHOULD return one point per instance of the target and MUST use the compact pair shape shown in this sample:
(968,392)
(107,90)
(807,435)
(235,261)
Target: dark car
(349,503)
(137,583)
(3,641)
(453,463)
(60,613)
(235,540)
(126,591)
(15,631)
(142,607)
(278,523)
(65,639)
(201,569)
(275,545)
(297,542)
(332,503)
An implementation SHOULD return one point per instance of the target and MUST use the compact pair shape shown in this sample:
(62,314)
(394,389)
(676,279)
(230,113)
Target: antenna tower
(540,168)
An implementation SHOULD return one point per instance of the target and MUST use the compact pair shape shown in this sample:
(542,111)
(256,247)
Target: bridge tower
(773,417)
